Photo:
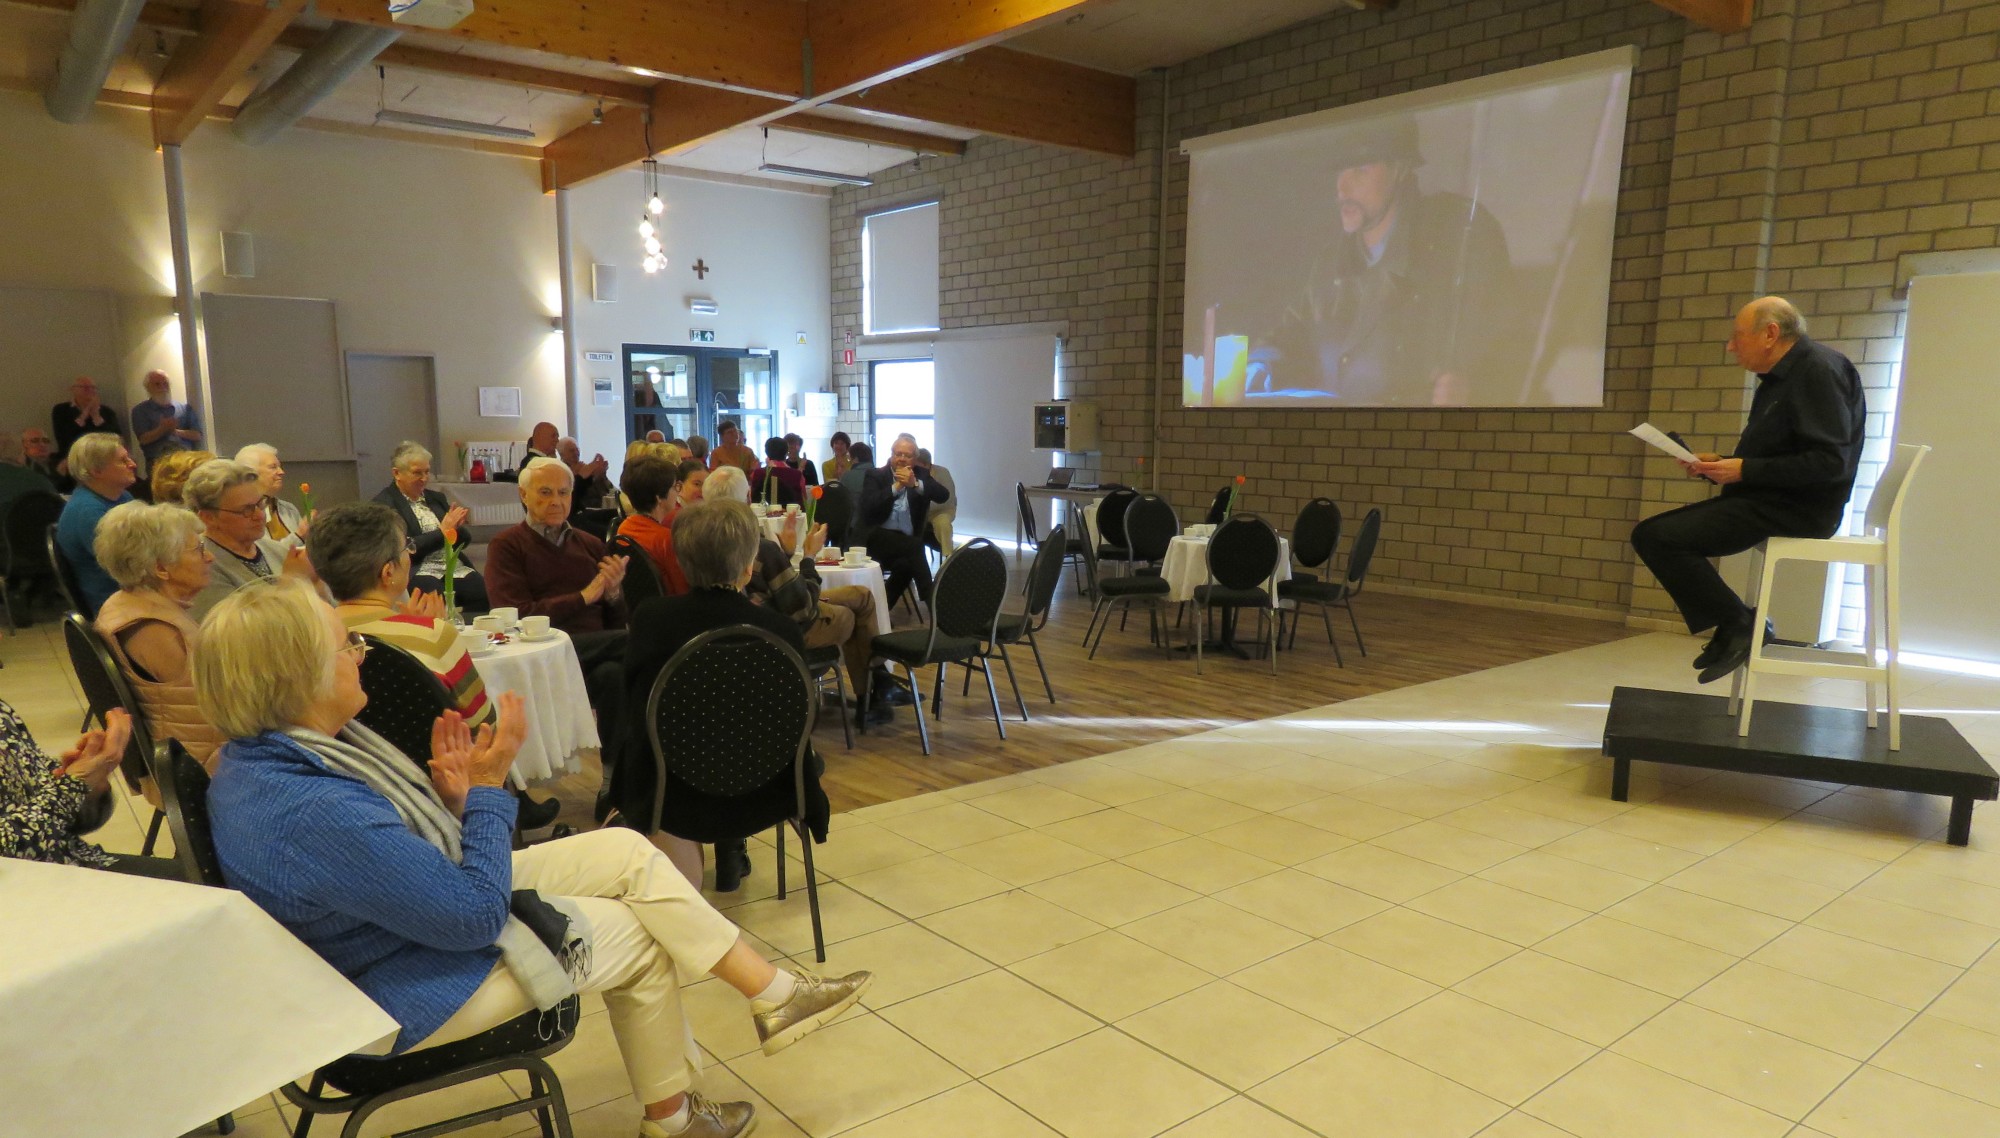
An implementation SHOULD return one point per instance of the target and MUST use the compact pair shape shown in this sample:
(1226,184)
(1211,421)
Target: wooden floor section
(1133,694)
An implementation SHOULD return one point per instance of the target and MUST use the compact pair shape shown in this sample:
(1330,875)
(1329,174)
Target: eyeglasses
(254,510)
(410,546)
(357,645)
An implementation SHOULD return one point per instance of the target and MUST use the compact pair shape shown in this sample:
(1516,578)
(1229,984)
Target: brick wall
(1803,157)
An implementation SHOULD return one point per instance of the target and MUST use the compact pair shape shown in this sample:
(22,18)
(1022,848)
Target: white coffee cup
(508,617)
(854,555)
(534,627)
(489,623)
(474,641)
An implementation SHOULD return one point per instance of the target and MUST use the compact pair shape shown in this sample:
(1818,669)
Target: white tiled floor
(1417,913)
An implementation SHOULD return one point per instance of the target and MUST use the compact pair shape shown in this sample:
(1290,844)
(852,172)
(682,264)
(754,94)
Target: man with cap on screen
(1403,301)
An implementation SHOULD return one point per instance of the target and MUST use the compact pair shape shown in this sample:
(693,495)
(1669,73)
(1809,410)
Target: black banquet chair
(404,698)
(25,569)
(1242,556)
(965,607)
(1112,544)
(1075,549)
(730,712)
(1150,526)
(358,1085)
(1337,594)
(1314,537)
(642,577)
(1219,508)
(1014,628)
(836,512)
(104,687)
(66,579)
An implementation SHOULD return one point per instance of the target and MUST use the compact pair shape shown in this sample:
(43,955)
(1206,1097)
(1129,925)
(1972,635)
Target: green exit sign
(701,335)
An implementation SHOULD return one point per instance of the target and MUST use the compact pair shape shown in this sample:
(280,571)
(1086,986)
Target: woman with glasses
(229,499)
(403,878)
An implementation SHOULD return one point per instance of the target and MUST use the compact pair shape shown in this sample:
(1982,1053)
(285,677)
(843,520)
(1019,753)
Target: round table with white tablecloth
(133,1006)
(868,575)
(1187,567)
(549,679)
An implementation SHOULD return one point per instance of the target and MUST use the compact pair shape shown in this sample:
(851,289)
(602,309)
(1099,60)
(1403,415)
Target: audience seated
(18,478)
(104,474)
(542,442)
(940,536)
(716,542)
(697,448)
(785,580)
(156,554)
(161,426)
(169,475)
(592,481)
(860,460)
(228,497)
(282,521)
(795,458)
(47,805)
(669,453)
(648,484)
(731,451)
(775,483)
(404,880)
(894,508)
(834,468)
(84,414)
(38,453)
(427,516)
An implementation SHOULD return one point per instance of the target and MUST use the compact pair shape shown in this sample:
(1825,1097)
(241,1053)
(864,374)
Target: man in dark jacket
(895,502)
(427,515)
(1790,476)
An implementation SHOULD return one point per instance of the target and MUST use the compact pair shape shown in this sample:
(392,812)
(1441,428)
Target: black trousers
(1677,547)
(903,562)
(602,655)
(469,593)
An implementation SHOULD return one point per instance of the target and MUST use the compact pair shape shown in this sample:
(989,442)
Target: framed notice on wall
(500,402)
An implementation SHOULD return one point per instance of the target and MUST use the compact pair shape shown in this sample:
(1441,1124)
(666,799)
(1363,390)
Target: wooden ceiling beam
(808,122)
(751,45)
(860,43)
(684,116)
(1723,16)
(231,37)
(492,70)
(1016,95)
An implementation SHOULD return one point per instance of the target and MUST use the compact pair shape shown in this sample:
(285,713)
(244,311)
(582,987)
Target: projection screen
(1448,247)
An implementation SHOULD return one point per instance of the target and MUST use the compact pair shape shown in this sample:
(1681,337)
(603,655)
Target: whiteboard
(51,336)
(1951,352)
(275,376)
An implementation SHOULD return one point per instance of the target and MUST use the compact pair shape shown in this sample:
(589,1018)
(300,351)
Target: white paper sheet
(1655,437)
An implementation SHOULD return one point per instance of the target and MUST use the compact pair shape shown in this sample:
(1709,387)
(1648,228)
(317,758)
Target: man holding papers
(1790,476)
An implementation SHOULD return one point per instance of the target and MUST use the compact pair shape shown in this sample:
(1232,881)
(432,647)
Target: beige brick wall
(1803,157)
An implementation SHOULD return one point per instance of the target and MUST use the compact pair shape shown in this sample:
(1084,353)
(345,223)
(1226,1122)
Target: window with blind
(899,270)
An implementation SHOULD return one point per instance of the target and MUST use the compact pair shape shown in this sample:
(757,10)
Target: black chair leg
(937,693)
(923,731)
(306,1116)
(993,693)
(812,892)
(1357,628)
(840,690)
(1011,682)
(226,1124)
(536,1089)
(1326,616)
(146,850)
(781,861)
(1036,648)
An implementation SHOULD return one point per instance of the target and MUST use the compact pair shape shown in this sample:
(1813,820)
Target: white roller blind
(899,270)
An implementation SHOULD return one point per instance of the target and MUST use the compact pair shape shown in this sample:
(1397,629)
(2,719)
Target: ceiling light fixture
(462,126)
(597,116)
(649,233)
(765,164)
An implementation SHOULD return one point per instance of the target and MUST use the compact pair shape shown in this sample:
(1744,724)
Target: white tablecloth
(550,680)
(491,503)
(868,576)
(142,1008)
(1187,566)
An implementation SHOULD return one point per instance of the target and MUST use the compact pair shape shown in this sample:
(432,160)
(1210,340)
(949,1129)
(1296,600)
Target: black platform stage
(1823,744)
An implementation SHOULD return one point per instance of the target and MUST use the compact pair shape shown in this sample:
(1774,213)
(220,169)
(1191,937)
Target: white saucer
(534,638)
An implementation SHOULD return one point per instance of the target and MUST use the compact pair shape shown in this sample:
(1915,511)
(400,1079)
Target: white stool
(1876,549)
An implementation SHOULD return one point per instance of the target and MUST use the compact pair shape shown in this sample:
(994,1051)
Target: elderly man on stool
(1790,476)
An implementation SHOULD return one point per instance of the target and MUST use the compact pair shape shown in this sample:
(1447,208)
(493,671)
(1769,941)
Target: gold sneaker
(707,1119)
(816,1002)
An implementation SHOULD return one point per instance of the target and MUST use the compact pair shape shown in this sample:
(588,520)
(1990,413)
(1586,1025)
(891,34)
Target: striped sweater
(435,644)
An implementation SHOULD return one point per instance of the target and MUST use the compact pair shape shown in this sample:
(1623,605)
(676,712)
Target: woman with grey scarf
(405,880)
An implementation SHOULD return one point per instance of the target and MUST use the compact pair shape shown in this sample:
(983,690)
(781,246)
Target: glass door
(746,389)
(663,392)
(682,391)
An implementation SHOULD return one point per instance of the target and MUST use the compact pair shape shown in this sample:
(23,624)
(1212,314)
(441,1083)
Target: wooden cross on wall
(700,269)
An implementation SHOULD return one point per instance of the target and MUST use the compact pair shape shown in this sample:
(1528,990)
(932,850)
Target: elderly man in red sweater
(546,567)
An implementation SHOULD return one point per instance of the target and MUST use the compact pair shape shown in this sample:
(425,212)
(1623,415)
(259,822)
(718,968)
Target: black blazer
(878,497)
(427,543)
(660,628)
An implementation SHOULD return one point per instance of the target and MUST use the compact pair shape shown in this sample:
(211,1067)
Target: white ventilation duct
(98,30)
(343,50)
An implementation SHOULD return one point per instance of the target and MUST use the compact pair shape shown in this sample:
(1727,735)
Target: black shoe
(1732,649)
(880,714)
(1709,651)
(533,815)
(892,691)
(732,865)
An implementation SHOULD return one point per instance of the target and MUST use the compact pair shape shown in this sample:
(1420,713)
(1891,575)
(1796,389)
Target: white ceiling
(1127,36)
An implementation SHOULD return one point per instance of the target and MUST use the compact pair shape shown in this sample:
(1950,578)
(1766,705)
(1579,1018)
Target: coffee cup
(473,640)
(534,627)
(489,623)
(854,556)
(508,617)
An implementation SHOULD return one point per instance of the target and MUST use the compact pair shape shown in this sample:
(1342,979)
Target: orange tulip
(818,492)
(451,535)
(305,487)
(1239,480)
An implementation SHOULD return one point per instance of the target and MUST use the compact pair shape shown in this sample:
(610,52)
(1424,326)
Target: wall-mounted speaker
(604,284)
(239,255)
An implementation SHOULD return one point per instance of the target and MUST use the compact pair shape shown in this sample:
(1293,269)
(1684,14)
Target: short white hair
(254,453)
(93,452)
(408,452)
(539,463)
(136,538)
(728,482)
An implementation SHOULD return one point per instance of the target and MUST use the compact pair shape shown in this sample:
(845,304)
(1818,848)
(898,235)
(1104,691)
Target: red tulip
(1239,480)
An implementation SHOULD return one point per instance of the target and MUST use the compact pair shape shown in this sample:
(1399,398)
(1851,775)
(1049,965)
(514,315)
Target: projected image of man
(1402,304)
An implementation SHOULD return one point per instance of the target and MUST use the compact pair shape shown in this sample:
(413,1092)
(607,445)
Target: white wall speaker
(239,255)
(604,284)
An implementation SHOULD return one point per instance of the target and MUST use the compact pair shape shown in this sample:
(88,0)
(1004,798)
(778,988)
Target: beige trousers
(847,618)
(651,935)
